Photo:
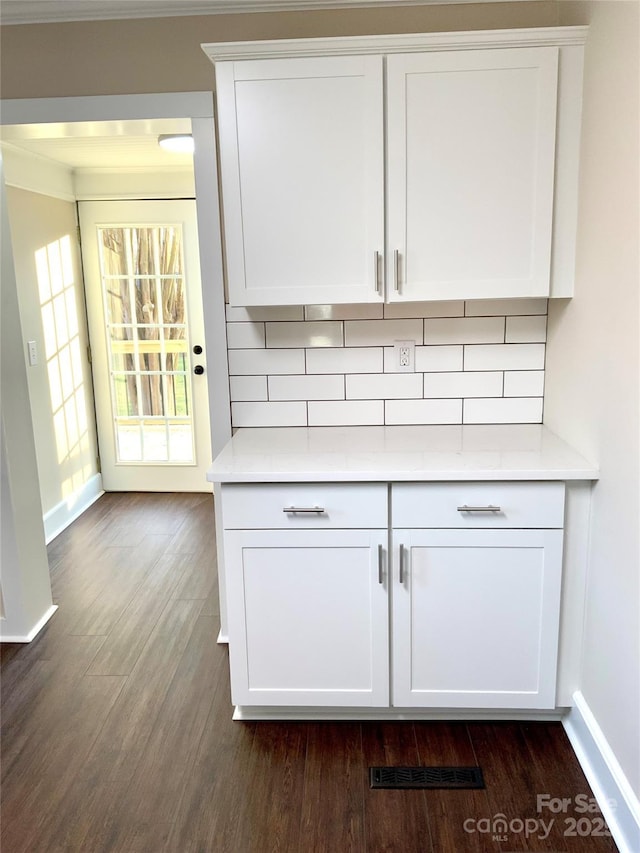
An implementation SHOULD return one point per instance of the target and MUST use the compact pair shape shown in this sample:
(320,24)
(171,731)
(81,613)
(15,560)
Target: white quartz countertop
(398,453)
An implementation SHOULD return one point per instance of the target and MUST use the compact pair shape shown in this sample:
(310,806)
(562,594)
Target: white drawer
(319,505)
(488,505)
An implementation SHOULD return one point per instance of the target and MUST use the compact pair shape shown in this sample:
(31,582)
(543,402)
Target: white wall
(592,385)
(61,405)
(24,570)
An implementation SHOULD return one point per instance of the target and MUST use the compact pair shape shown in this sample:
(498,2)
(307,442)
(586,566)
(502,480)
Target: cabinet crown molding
(404,43)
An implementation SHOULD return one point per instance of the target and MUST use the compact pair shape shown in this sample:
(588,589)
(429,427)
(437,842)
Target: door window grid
(144,298)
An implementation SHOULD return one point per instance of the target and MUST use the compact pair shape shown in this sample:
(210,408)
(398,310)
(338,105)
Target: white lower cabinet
(308,618)
(462,616)
(475,618)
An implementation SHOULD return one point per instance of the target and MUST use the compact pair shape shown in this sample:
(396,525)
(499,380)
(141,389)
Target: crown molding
(406,43)
(60,11)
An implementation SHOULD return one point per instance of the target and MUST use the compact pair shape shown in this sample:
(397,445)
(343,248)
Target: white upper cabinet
(400,168)
(471,148)
(301,147)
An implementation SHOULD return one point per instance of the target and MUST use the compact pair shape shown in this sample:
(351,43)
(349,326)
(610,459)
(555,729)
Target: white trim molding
(133,183)
(26,638)
(28,171)
(45,11)
(72,507)
(616,798)
(404,43)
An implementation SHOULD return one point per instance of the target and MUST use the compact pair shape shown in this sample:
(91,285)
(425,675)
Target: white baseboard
(61,516)
(619,804)
(26,638)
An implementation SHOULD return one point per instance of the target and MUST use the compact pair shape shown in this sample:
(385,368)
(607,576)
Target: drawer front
(304,505)
(471,505)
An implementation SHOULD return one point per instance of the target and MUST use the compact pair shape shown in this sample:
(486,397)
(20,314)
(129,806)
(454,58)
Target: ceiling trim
(60,11)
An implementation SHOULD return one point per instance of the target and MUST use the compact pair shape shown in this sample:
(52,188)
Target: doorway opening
(77,123)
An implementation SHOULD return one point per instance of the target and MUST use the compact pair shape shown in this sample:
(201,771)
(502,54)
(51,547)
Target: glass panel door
(146,325)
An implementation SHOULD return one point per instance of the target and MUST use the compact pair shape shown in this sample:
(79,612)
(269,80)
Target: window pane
(125,394)
(129,443)
(155,442)
(118,301)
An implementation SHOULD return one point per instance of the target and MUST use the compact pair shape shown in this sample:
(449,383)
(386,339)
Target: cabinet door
(475,619)
(301,150)
(308,617)
(471,146)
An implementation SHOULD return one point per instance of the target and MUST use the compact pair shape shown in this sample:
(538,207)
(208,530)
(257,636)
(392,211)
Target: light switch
(33,352)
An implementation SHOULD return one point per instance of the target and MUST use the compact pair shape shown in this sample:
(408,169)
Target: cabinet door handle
(311,509)
(401,562)
(489,508)
(380,574)
(396,270)
(376,270)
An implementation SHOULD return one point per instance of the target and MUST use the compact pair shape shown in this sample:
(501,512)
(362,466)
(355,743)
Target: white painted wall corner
(63,513)
(617,800)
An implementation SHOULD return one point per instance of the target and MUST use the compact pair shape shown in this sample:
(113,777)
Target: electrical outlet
(33,353)
(404,356)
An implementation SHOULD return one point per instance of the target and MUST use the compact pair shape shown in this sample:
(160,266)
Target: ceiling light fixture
(178,143)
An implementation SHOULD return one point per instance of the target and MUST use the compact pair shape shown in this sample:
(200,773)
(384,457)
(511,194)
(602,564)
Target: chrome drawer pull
(401,566)
(317,509)
(376,267)
(380,577)
(490,508)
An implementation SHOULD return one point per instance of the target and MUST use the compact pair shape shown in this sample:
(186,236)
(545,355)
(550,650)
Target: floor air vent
(426,777)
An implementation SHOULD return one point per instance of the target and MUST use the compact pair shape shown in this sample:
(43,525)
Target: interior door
(144,304)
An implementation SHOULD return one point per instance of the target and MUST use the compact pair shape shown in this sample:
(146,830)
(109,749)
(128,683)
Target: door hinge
(89,359)
(98,465)
(79,235)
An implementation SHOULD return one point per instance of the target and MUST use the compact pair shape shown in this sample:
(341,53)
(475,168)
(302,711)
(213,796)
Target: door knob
(198,370)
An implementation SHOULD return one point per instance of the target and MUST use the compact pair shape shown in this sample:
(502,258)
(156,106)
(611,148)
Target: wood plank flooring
(117,734)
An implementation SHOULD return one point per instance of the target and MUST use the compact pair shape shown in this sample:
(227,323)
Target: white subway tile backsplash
(423,412)
(252,388)
(526,330)
(245,335)
(463,384)
(269,414)
(306,387)
(384,386)
(360,333)
(464,330)
(504,357)
(437,358)
(397,310)
(346,413)
(254,362)
(345,360)
(312,334)
(495,307)
(524,383)
(343,312)
(511,410)
(238,314)
(325,365)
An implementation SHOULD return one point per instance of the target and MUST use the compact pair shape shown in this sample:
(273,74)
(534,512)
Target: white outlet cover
(404,356)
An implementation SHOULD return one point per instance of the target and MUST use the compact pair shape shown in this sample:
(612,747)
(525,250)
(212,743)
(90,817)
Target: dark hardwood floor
(117,734)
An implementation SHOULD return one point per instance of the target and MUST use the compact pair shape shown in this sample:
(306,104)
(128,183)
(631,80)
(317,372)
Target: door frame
(198,107)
